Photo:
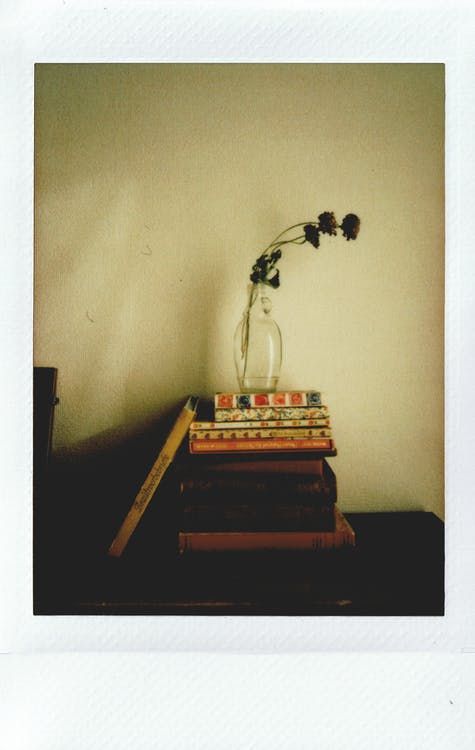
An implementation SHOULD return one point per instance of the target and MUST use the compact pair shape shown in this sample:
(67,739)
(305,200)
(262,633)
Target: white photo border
(271,32)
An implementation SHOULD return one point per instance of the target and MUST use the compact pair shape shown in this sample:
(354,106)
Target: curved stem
(296,241)
(300,224)
(245,327)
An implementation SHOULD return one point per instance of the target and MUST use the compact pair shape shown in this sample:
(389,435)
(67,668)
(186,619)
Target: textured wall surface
(156,187)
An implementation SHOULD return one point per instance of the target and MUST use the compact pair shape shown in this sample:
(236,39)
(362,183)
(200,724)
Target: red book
(258,517)
(254,445)
(266,464)
(259,541)
(273,486)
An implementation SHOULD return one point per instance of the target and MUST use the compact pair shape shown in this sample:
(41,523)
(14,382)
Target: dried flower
(312,234)
(327,223)
(264,271)
(263,267)
(275,280)
(350,226)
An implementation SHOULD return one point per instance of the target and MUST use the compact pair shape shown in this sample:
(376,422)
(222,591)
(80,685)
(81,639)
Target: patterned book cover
(270,413)
(278,400)
(253,445)
(262,423)
(279,432)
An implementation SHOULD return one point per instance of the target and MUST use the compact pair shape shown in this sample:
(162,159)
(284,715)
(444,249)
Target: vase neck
(259,298)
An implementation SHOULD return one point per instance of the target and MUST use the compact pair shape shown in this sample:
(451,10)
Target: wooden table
(397,567)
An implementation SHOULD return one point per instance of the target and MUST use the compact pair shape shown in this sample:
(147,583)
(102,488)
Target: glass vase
(258,344)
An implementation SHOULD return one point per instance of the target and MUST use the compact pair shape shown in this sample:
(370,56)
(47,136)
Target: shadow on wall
(181,360)
(123,446)
(113,377)
(92,486)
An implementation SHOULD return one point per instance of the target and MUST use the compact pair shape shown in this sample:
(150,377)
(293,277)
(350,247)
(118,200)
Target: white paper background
(182,702)
(246,692)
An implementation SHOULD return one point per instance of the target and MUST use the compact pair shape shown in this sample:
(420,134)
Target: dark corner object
(44,401)
(397,567)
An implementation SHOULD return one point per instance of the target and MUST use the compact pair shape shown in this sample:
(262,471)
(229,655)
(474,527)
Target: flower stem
(245,328)
(295,241)
(300,224)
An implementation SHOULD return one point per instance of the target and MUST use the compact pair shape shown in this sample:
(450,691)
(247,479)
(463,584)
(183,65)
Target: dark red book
(251,464)
(254,488)
(209,474)
(342,536)
(258,517)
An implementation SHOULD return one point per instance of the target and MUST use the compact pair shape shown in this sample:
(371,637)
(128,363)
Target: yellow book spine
(146,492)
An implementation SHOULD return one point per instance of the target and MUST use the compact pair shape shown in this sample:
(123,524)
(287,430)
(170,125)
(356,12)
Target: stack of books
(256,477)
(267,422)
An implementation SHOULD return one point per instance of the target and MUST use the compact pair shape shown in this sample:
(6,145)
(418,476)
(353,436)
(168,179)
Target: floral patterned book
(259,432)
(259,424)
(270,413)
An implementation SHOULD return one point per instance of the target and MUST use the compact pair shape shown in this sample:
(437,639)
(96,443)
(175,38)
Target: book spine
(221,489)
(154,477)
(269,445)
(258,518)
(266,413)
(278,400)
(239,463)
(279,432)
(257,541)
(260,423)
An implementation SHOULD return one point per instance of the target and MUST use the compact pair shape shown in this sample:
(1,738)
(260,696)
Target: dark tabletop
(397,567)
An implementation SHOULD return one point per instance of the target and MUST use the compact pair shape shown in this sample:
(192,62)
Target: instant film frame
(444,46)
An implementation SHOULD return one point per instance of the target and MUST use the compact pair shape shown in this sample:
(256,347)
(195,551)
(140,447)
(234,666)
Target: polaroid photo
(280,232)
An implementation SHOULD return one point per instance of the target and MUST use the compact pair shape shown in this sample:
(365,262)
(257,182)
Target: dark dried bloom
(350,226)
(275,280)
(327,223)
(312,234)
(264,270)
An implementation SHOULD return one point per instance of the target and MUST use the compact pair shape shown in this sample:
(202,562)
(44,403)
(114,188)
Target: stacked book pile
(256,477)
(292,421)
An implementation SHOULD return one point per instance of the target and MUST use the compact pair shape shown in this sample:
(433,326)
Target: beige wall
(156,188)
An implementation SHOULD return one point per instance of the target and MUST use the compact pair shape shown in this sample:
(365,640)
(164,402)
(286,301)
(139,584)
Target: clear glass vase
(258,344)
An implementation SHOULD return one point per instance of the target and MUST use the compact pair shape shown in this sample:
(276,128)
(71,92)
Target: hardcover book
(253,445)
(270,468)
(267,413)
(222,490)
(247,463)
(278,400)
(154,477)
(341,537)
(258,424)
(260,432)
(258,517)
